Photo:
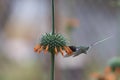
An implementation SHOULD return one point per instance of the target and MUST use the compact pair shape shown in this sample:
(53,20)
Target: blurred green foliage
(114,63)
(11,70)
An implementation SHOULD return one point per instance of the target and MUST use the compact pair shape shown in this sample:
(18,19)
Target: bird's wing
(77,53)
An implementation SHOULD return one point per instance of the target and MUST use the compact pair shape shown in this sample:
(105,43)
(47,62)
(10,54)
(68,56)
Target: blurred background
(82,22)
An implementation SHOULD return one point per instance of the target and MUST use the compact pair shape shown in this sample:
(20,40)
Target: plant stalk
(52,54)
(52,65)
(53,18)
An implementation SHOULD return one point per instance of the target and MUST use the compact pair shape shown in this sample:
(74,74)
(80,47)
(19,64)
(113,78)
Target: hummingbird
(83,49)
